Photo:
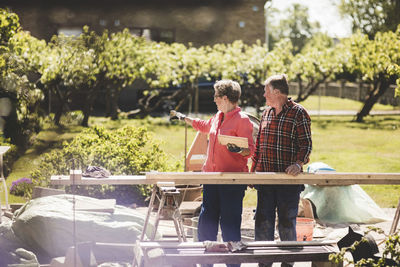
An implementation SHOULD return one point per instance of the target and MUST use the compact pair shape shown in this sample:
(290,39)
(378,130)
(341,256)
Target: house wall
(199,22)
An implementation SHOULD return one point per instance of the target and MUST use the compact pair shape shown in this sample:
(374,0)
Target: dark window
(155,34)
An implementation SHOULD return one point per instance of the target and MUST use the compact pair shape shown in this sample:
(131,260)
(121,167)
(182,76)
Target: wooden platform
(188,254)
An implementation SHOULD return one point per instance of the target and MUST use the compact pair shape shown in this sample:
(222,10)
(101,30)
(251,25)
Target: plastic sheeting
(342,204)
(46,224)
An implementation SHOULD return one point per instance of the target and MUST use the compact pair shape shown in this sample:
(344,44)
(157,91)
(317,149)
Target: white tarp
(46,224)
(342,204)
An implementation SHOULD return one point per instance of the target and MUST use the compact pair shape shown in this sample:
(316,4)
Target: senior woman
(222,204)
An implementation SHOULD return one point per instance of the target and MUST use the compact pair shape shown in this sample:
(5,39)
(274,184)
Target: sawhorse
(168,202)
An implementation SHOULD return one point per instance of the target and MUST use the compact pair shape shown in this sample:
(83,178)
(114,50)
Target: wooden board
(118,179)
(195,178)
(198,159)
(187,254)
(256,244)
(320,178)
(239,141)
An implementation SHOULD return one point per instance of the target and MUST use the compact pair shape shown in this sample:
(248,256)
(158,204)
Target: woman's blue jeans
(222,205)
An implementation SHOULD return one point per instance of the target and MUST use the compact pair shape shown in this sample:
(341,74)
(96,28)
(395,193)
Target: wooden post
(75,175)
(196,97)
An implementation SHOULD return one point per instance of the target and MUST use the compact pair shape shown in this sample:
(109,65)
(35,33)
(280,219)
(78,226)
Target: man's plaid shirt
(283,139)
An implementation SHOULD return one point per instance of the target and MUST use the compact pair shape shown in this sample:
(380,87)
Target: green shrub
(22,187)
(126,151)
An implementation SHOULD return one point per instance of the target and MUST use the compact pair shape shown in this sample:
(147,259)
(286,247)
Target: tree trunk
(60,109)
(375,93)
(150,103)
(13,128)
(58,114)
(310,89)
(300,83)
(107,100)
(88,107)
(114,103)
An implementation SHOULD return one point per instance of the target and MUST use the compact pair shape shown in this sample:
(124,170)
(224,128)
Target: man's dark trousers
(281,199)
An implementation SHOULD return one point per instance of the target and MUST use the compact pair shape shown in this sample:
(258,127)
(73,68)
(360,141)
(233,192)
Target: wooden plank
(185,256)
(195,178)
(118,179)
(320,178)
(236,140)
(259,244)
(198,159)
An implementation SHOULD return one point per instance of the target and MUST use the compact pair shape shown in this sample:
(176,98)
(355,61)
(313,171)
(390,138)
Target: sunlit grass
(334,103)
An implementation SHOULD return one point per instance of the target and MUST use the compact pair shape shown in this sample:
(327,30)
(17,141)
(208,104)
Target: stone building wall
(203,22)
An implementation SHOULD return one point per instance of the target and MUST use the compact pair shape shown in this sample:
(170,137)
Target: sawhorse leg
(146,221)
(178,222)
(167,192)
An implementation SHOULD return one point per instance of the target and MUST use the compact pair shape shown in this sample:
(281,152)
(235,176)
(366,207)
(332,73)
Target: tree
(375,62)
(372,16)
(294,26)
(120,62)
(172,66)
(318,62)
(68,67)
(396,71)
(23,119)
(9,25)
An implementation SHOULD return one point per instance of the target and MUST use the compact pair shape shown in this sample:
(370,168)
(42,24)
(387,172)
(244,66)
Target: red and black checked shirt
(282,139)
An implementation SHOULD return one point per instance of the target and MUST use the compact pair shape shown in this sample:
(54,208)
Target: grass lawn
(333,103)
(346,146)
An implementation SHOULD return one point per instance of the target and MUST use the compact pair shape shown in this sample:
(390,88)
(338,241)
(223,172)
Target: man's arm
(303,128)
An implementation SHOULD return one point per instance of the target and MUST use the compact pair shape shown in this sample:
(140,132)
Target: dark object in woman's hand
(234,148)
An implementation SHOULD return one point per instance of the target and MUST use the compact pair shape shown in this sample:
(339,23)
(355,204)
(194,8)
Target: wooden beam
(320,178)
(188,254)
(190,178)
(254,244)
(120,179)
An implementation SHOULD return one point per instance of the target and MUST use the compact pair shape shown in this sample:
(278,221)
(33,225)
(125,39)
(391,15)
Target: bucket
(195,221)
(304,228)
